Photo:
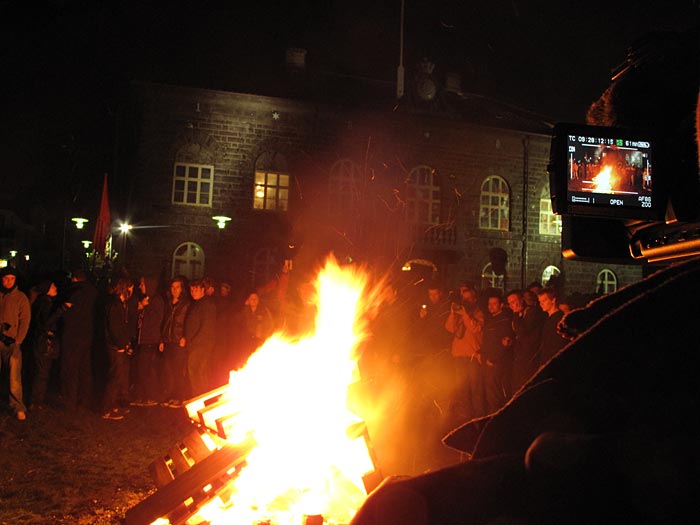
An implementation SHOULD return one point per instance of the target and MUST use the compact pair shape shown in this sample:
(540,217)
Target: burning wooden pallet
(192,472)
(204,463)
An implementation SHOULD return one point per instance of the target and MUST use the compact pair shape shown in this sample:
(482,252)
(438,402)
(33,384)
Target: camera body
(607,172)
(615,189)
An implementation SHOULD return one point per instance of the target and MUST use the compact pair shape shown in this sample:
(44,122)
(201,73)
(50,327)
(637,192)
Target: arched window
(263,267)
(343,187)
(271,191)
(423,196)
(550,224)
(548,273)
(606,282)
(494,208)
(188,260)
(490,279)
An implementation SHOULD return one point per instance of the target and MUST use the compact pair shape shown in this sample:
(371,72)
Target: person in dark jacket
(46,313)
(172,347)
(200,338)
(552,341)
(527,325)
(78,330)
(150,318)
(120,331)
(496,354)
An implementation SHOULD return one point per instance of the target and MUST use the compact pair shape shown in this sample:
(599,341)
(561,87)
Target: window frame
(264,262)
(488,208)
(605,282)
(552,271)
(493,279)
(194,266)
(261,201)
(549,222)
(423,196)
(187,180)
(344,176)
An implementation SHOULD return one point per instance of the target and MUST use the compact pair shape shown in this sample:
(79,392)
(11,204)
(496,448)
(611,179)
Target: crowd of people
(126,342)
(137,342)
(457,356)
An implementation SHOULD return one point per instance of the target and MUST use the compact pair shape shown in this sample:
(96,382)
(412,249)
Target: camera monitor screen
(605,172)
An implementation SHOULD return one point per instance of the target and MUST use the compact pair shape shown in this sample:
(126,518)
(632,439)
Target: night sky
(66,61)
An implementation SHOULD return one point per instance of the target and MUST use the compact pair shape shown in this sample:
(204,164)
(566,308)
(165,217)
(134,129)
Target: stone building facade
(459,193)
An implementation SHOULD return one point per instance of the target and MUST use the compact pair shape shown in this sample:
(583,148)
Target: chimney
(453,82)
(296,58)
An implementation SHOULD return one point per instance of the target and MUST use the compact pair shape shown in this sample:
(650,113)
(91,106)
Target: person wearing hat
(45,315)
(15,315)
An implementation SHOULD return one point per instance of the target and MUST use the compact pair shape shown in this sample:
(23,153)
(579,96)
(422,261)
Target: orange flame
(291,399)
(604,181)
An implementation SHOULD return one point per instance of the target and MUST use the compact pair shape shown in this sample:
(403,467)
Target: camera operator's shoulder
(661,67)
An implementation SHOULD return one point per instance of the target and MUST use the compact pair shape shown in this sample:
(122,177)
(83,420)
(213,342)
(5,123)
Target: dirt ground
(76,468)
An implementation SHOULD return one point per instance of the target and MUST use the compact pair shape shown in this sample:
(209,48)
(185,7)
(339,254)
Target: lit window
(343,188)
(549,273)
(193,184)
(423,196)
(271,191)
(606,282)
(550,224)
(188,260)
(494,208)
(490,279)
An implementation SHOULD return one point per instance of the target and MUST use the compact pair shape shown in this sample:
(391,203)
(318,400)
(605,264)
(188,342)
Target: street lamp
(67,243)
(124,228)
(79,222)
(221,220)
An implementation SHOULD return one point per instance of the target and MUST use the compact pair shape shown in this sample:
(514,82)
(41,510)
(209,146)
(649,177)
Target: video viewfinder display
(608,171)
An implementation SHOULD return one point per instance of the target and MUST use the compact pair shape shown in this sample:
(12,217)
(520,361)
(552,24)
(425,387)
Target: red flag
(103,226)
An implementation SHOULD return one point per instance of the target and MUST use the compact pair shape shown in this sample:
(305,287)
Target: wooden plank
(196,448)
(224,424)
(199,402)
(160,472)
(189,484)
(204,413)
(180,463)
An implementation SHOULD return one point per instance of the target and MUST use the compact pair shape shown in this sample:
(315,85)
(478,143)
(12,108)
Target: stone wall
(231,131)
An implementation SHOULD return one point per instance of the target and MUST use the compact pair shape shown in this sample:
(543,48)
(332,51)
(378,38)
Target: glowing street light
(221,220)
(125,227)
(79,222)
(86,244)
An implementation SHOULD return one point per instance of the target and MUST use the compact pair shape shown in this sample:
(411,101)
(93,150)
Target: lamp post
(80,223)
(86,245)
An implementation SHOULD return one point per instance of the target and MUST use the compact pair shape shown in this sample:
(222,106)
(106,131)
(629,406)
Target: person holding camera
(15,315)
(466,324)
